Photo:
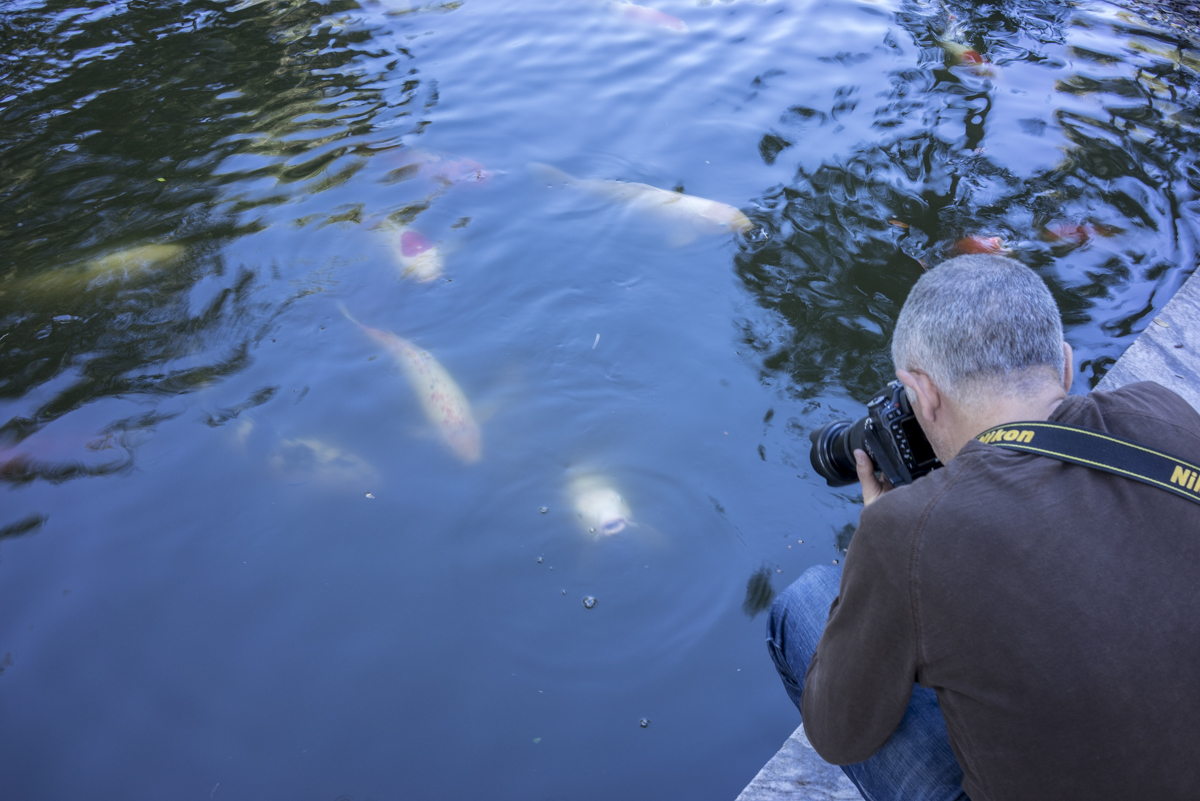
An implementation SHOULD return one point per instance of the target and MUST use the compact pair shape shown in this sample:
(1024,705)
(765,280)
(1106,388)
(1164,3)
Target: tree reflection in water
(1107,226)
(144,125)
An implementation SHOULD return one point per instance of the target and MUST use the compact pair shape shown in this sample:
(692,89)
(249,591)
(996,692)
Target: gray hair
(980,324)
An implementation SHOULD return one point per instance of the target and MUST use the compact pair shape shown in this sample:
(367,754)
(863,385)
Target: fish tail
(548,174)
(342,308)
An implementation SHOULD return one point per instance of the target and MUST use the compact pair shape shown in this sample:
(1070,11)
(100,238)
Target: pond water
(327,337)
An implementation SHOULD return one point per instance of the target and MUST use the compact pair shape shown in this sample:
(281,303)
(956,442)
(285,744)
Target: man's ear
(1068,367)
(930,401)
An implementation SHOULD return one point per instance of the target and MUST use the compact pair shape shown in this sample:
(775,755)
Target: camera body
(890,435)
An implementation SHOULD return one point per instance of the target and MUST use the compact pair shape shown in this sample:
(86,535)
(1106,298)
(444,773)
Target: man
(1009,627)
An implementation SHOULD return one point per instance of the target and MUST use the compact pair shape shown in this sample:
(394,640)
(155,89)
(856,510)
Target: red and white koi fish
(444,404)
(649,16)
(699,214)
(419,259)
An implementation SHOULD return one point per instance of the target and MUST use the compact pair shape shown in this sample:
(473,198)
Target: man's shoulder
(1144,411)
(902,513)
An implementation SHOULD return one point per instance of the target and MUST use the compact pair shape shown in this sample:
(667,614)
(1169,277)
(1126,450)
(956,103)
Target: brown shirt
(1054,608)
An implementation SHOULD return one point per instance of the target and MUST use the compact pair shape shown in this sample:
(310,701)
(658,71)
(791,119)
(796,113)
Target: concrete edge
(797,773)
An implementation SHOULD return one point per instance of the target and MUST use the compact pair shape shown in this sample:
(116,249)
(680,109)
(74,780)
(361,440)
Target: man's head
(980,326)
(979,338)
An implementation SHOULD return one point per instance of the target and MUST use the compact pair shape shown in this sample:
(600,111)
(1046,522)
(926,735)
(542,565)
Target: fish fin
(550,175)
(682,235)
(342,308)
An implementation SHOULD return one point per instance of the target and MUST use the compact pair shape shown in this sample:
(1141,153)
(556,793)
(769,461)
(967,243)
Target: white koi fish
(601,509)
(649,16)
(699,214)
(444,404)
(418,258)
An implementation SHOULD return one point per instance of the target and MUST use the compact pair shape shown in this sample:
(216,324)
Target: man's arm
(860,679)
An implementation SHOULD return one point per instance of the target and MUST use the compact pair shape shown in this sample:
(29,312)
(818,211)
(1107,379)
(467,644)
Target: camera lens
(833,448)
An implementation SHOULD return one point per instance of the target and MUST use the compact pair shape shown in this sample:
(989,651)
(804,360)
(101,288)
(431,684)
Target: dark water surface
(238,557)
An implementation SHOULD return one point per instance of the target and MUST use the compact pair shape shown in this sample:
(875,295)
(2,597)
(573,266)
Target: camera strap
(1096,449)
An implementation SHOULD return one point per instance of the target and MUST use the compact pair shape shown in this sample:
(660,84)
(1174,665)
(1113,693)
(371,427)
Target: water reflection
(1105,224)
(139,141)
(759,592)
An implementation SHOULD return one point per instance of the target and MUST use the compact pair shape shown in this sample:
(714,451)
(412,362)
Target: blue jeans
(916,763)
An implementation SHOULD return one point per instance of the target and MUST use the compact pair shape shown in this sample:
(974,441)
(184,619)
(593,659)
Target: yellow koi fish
(698,214)
(120,265)
(444,405)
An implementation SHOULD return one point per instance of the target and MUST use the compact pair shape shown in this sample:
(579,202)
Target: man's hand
(872,487)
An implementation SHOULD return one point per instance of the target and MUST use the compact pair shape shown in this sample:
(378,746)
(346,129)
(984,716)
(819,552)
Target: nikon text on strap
(1101,451)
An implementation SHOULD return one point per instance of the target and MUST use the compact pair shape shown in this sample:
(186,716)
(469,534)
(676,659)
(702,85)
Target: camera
(889,434)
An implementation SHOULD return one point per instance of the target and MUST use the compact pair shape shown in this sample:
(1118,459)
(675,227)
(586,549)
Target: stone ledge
(1168,351)
(797,773)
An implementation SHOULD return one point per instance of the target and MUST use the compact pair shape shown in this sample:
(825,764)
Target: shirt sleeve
(860,679)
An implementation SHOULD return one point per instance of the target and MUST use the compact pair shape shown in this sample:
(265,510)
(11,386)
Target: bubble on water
(592,530)
(539,560)
(543,509)
(589,602)
(644,722)
(369,495)
(564,592)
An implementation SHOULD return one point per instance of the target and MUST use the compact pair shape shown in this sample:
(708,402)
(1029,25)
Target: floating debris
(539,560)
(543,509)
(369,495)
(589,602)
(644,722)
(1159,320)
(564,592)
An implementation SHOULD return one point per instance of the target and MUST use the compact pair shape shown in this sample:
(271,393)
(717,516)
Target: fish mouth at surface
(614,526)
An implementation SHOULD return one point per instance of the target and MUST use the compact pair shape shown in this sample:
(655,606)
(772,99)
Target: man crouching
(1010,627)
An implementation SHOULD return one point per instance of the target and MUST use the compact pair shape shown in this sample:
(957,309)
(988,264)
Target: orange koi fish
(968,245)
(444,404)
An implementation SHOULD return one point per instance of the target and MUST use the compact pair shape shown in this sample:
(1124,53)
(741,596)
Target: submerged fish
(601,509)
(444,404)
(418,258)
(710,215)
(118,265)
(959,54)
(444,170)
(649,16)
(980,244)
(1077,234)
(315,460)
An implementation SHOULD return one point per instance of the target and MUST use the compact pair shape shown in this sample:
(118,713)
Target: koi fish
(709,216)
(1076,234)
(418,258)
(958,53)
(440,169)
(124,264)
(600,508)
(649,16)
(968,245)
(444,404)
